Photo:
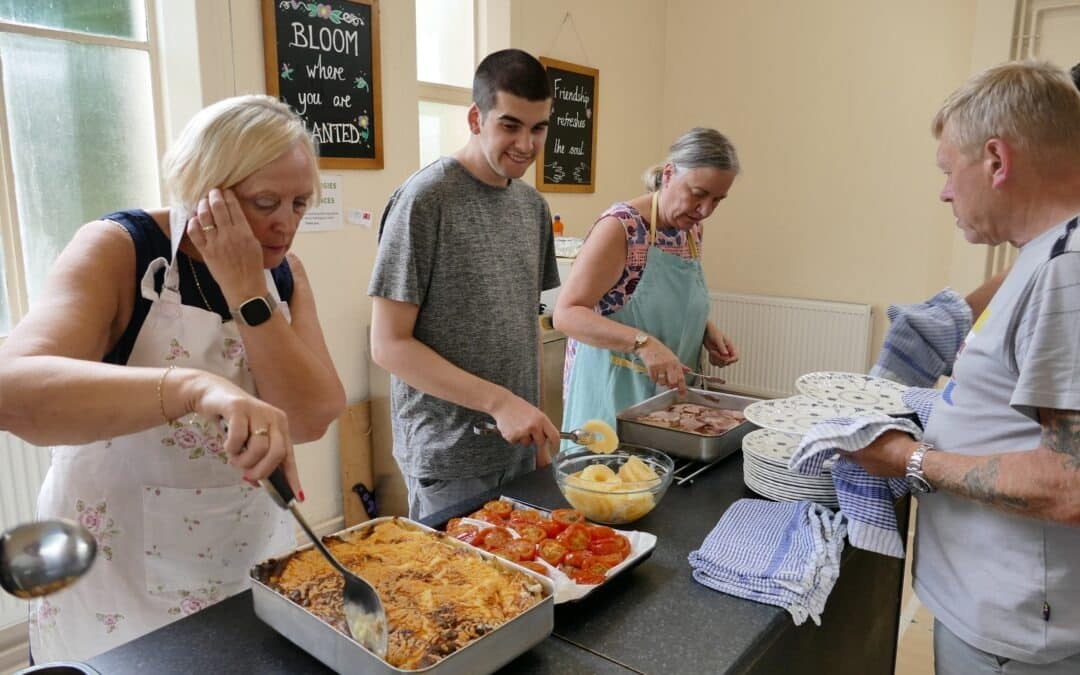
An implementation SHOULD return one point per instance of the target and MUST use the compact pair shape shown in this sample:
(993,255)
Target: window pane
(81,123)
(445,51)
(122,18)
(443,130)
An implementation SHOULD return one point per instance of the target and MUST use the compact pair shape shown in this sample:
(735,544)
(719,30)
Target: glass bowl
(612,502)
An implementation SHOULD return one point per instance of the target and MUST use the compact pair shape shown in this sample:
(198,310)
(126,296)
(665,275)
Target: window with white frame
(446,56)
(78,130)
(79,138)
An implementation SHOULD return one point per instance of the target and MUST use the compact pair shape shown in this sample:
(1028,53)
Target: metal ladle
(364,612)
(43,557)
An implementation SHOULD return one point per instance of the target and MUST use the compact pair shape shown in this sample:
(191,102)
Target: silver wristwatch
(916,479)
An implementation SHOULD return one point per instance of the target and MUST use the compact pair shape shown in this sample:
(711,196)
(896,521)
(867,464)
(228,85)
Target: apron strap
(652,227)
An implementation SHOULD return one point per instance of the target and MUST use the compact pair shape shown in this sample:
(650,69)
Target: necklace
(198,286)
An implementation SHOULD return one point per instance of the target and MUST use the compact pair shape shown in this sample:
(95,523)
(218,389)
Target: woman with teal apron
(625,338)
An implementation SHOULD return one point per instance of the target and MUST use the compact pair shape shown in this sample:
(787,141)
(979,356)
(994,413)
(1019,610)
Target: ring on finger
(208,228)
(261,431)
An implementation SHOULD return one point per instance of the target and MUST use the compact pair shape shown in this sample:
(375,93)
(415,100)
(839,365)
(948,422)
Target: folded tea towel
(781,553)
(923,339)
(866,502)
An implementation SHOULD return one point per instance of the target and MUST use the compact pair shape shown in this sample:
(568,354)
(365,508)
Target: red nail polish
(302,498)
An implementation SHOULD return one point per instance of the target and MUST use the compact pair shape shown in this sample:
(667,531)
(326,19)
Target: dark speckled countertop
(653,618)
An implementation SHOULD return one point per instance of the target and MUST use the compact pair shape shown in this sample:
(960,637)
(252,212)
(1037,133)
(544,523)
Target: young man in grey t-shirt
(465,249)
(997,547)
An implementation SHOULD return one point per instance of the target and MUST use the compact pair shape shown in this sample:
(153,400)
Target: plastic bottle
(557,226)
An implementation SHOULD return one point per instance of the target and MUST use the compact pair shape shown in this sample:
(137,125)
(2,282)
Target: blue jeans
(953,656)
(431,495)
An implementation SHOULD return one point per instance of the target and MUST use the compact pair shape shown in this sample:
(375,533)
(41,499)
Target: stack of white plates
(765,460)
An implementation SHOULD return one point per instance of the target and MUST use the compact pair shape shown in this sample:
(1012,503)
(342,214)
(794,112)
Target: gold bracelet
(161,393)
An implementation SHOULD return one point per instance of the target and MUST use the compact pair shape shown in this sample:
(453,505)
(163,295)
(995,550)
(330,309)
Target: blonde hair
(1031,104)
(699,147)
(228,141)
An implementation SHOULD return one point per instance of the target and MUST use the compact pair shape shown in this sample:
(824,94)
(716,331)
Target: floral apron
(177,528)
(671,303)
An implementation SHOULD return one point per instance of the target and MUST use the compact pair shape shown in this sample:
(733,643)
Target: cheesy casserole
(438,596)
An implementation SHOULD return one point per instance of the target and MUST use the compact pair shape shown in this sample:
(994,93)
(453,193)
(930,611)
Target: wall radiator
(779,339)
(22,470)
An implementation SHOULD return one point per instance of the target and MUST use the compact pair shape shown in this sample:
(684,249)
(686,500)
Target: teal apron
(671,303)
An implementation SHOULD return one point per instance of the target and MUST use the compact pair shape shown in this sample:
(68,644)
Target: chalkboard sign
(322,58)
(568,160)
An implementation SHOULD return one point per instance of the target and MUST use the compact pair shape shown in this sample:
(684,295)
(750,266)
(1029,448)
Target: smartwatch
(916,478)
(255,311)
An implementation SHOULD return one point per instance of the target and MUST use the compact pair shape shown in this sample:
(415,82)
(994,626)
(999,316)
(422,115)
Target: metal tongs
(364,612)
(580,436)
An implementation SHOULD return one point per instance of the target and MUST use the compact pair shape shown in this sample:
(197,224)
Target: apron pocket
(202,542)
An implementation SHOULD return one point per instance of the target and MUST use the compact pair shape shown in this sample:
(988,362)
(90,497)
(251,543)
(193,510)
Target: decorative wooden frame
(542,184)
(270,60)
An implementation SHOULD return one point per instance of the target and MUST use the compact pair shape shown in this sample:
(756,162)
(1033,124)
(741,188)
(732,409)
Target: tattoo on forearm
(980,482)
(1061,434)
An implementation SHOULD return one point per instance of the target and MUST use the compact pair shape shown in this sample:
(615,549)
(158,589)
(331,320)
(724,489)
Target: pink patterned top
(669,240)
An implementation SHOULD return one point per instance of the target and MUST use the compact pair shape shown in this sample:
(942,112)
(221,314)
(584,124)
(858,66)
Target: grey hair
(699,147)
(1032,104)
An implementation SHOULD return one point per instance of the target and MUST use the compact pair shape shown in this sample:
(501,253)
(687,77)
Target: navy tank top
(150,244)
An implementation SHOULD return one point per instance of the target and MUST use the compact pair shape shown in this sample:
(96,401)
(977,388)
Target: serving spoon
(579,436)
(364,612)
(43,557)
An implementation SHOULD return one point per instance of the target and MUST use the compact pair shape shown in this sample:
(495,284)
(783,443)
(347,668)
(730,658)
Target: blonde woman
(173,361)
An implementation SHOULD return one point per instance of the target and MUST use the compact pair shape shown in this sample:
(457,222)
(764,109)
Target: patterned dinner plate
(771,446)
(796,414)
(863,391)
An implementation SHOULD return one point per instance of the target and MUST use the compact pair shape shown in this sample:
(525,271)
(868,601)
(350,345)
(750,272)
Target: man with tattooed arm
(997,541)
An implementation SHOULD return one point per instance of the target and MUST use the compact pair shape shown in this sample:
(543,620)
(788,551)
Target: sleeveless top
(151,243)
(636,227)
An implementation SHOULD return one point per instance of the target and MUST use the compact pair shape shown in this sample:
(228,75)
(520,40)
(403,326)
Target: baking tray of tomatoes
(577,555)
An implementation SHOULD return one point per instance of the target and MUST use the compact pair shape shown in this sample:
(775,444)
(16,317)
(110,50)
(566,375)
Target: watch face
(255,311)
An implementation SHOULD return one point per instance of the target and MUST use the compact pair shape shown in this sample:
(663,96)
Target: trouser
(431,495)
(953,656)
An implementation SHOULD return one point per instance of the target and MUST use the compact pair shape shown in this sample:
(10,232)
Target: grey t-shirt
(474,258)
(985,573)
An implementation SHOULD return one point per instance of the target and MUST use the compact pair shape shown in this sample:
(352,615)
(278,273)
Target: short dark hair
(511,71)
(1075,72)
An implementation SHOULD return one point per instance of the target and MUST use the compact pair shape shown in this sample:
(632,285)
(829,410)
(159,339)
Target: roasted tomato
(551,551)
(526,516)
(617,544)
(567,517)
(499,508)
(551,527)
(452,523)
(578,559)
(529,531)
(574,537)
(596,566)
(535,567)
(466,532)
(587,578)
(494,538)
(521,549)
(488,517)
(610,560)
(597,532)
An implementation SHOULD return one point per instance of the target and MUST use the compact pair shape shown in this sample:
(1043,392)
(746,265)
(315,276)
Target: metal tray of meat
(685,444)
(344,655)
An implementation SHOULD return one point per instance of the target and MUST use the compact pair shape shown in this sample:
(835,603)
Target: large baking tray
(680,443)
(344,655)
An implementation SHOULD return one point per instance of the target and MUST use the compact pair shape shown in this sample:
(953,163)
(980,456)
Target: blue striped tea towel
(780,553)
(865,501)
(923,339)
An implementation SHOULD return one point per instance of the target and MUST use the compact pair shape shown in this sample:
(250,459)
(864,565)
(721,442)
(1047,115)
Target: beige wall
(828,102)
